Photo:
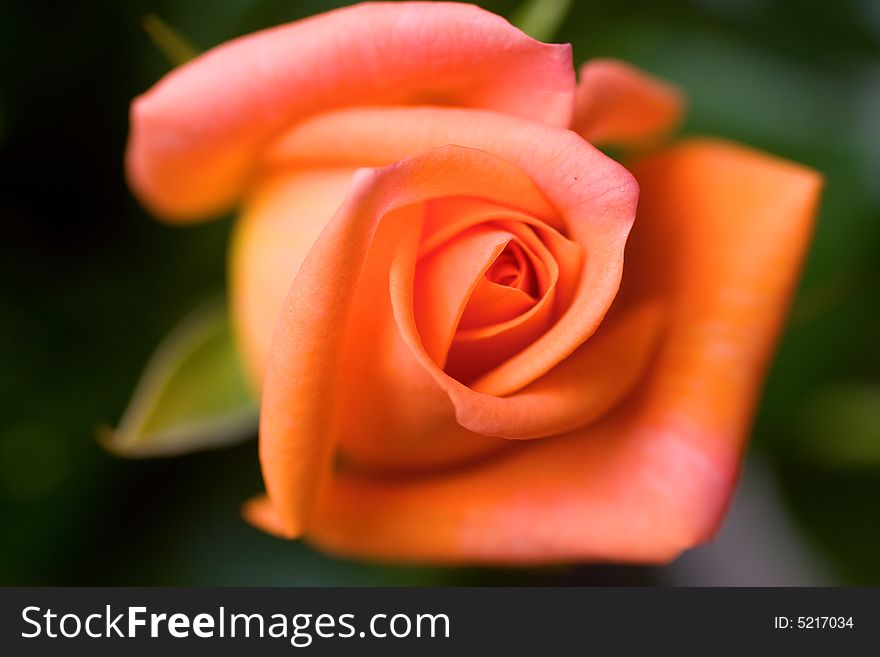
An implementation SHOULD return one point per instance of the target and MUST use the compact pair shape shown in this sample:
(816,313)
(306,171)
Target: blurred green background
(90,284)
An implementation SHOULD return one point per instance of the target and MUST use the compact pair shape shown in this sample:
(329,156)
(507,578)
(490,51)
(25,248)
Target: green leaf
(192,395)
(841,426)
(170,42)
(541,19)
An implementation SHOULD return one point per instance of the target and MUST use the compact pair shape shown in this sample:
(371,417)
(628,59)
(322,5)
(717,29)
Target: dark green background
(90,284)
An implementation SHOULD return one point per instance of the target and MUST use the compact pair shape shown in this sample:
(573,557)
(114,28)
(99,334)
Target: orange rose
(428,284)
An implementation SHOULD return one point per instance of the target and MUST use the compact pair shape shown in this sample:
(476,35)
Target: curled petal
(446,280)
(277,226)
(619,105)
(196,134)
(616,493)
(577,391)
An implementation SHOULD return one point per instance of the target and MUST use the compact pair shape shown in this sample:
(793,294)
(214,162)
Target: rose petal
(724,229)
(492,303)
(195,135)
(260,512)
(476,350)
(618,104)
(479,349)
(279,224)
(577,391)
(740,221)
(445,281)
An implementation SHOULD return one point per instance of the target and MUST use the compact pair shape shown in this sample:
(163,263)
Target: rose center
(513,269)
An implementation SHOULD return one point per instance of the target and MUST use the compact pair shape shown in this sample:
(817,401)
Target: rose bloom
(476,337)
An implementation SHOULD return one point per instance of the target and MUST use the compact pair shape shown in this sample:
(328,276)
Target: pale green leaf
(541,19)
(192,395)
